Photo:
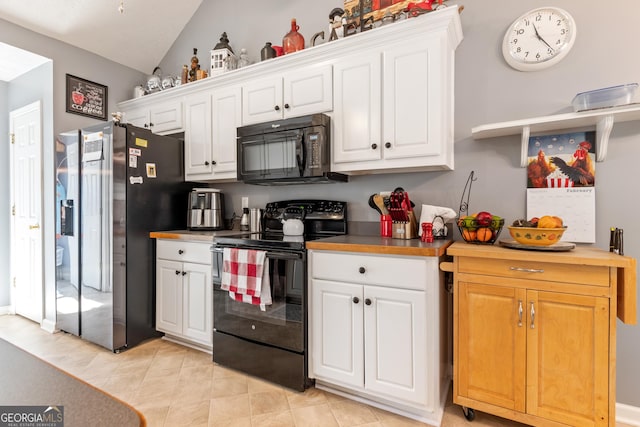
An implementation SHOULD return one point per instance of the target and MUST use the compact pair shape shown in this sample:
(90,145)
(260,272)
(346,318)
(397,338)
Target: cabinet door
(226,117)
(169,296)
(568,353)
(138,117)
(308,91)
(357,109)
(414,88)
(490,344)
(336,332)
(198,154)
(262,100)
(197,312)
(396,343)
(166,117)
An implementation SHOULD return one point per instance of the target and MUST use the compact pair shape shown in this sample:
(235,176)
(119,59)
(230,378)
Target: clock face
(539,39)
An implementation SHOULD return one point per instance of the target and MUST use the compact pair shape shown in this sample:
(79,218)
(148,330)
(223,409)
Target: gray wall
(4,195)
(487,91)
(50,85)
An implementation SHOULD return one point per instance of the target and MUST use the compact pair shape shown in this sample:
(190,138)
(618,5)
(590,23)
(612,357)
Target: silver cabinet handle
(520,313)
(526,270)
(533,316)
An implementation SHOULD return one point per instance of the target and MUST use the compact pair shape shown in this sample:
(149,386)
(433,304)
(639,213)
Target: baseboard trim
(49,326)
(628,414)
(5,310)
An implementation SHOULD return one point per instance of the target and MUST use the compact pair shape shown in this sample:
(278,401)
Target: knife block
(405,230)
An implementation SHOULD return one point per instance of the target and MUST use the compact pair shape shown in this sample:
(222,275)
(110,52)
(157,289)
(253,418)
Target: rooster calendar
(561,181)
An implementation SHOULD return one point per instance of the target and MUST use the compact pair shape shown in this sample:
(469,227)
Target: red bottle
(293,41)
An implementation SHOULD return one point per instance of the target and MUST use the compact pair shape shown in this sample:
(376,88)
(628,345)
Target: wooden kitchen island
(535,332)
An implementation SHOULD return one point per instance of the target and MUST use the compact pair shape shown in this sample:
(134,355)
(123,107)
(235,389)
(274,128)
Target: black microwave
(289,151)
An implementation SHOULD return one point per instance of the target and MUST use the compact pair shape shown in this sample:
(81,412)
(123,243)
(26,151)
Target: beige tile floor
(173,385)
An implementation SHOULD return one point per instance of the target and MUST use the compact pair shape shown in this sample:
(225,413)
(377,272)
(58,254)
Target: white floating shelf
(603,120)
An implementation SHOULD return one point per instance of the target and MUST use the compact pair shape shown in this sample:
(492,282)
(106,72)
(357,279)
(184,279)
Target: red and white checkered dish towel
(245,274)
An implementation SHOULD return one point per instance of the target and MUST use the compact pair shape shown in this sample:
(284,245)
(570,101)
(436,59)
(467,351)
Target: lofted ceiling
(139,37)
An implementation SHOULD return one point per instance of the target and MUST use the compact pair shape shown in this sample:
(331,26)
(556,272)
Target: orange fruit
(469,235)
(484,234)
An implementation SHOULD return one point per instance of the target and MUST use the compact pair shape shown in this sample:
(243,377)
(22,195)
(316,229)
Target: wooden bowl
(535,236)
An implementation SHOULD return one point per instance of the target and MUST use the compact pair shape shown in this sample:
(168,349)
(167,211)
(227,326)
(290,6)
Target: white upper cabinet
(160,117)
(308,90)
(394,108)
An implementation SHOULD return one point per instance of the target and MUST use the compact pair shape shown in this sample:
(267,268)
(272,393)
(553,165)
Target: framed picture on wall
(86,98)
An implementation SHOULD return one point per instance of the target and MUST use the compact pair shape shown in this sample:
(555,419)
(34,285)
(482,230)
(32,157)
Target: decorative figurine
(337,22)
(194,66)
(244,58)
(219,55)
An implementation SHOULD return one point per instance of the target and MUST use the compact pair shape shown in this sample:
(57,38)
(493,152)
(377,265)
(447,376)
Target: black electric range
(271,342)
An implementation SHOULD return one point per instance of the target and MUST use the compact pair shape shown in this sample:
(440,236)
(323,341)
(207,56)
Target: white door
(413,84)
(395,343)
(227,117)
(336,332)
(262,100)
(26,202)
(197,148)
(169,296)
(357,106)
(197,303)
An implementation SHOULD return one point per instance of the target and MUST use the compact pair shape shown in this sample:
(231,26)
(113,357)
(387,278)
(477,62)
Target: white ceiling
(138,38)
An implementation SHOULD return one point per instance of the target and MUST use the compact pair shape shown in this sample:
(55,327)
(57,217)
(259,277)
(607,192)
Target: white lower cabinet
(378,327)
(184,292)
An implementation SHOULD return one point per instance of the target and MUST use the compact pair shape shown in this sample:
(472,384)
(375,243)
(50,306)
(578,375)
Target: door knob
(374,146)
(361,270)
(387,145)
(180,251)
(177,272)
(277,108)
(367,301)
(356,300)
(286,106)
(34,227)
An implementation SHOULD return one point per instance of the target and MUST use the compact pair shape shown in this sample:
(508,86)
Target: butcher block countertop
(624,273)
(199,235)
(380,245)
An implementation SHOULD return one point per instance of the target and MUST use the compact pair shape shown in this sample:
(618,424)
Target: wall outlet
(245,202)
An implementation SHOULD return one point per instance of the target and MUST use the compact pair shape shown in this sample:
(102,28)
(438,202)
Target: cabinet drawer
(396,272)
(179,250)
(566,273)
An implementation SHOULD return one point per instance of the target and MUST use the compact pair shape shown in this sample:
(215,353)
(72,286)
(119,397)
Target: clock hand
(540,38)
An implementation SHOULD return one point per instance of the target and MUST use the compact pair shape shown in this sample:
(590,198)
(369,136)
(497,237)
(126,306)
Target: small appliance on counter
(206,209)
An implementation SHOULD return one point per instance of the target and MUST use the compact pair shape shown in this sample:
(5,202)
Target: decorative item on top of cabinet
(195,65)
(267,52)
(337,23)
(219,55)
(293,41)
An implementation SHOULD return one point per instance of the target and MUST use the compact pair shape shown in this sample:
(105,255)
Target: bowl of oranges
(543,231)
(481,228)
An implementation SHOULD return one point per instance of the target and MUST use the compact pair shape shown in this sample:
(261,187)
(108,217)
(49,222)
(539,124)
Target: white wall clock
(539,39)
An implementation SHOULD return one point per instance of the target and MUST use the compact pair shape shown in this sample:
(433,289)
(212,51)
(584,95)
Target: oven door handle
(284,255)
(270,254)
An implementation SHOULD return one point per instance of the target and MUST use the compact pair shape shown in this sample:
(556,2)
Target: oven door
(282,324)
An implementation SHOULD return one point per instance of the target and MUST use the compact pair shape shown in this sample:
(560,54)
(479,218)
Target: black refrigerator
(114,184)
